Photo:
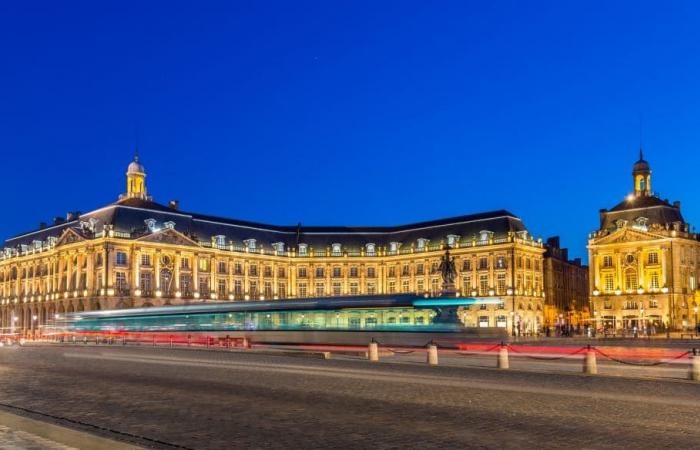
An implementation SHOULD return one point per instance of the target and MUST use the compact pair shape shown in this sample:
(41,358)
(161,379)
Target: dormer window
(150,224)
(170,225)
(249,244)
(485,235)
(370,249)
(452,239)
(394,246)
(303,249)
(422,243)
(220,241)
(337,249)
(278,246)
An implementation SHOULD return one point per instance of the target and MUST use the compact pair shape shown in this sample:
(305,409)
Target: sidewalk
(22,433)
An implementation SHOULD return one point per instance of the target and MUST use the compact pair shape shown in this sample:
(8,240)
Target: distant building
(139,253)
(565,286)
(644,261)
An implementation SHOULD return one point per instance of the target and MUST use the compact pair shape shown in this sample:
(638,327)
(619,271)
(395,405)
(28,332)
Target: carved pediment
(69,236)
(168,236)
(627,235)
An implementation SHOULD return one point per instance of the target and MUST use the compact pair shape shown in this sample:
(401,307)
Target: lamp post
(641,322)
(695,310)
(512,322)
(595,322)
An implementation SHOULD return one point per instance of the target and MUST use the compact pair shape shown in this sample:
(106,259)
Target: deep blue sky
(350,113)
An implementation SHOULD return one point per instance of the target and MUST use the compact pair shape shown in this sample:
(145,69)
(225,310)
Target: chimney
(174,204)
(58,220)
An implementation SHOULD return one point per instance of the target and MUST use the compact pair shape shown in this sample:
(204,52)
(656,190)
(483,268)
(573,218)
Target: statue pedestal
(448,290)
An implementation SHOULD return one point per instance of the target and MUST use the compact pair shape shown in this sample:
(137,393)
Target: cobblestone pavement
(200,399)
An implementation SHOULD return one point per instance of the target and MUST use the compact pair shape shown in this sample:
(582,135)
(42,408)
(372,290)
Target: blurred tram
(403,319)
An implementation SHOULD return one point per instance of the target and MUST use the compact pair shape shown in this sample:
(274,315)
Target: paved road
(199,399)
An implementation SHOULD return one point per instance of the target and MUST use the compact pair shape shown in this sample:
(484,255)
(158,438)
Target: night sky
(349,112)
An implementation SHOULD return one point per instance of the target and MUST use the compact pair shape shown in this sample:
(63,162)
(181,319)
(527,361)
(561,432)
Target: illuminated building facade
(644,262)
(565,286)
(136,252)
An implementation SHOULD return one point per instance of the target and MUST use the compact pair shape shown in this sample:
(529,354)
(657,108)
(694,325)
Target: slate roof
(656,210)
(129,215)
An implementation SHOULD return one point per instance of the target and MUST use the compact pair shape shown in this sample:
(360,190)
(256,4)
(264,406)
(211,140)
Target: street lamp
(695,310)
(512,322)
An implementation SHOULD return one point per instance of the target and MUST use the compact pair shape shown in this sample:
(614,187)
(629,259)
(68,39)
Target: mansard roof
(654,209)
(130,216)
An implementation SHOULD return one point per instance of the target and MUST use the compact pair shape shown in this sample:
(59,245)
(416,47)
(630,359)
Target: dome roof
(135,166)
(642,165)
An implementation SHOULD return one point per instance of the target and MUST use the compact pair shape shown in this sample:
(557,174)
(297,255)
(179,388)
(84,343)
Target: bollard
(373,351)
(503,357)
(590,366)
(432,355)
(694,373)
(85,340)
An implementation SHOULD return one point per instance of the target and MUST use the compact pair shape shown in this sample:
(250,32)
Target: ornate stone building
(137,252)
(644,262)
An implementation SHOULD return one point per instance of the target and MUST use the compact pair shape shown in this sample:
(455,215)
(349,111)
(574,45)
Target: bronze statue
(447,269)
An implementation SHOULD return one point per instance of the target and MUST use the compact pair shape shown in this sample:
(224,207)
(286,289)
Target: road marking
(364,374)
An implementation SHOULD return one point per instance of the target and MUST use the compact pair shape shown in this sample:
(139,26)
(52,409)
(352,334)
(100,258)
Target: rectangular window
(391,287)
(466,285)
(392,271)
(654,281)
(371,288)
(221,289)
(281,290)
(121,259)
(405,271)
(319,272)
(238,268)
(653,258)
(146,283)
(483,285)
(222,267)
(238,289)
(353,272)
(337,273)
(483,263)
(419,269)
(354,288)
(203,264)
(267,271)
(301,272)
(267,289)
(120,282)
(500,262)
(253,289)
(281,273)
(607,261)
(253,270)
(320,289)
(145,260)
(501,283)
(371,272)
(185,287)
(185,263)
(405,286)
(420,286)
(337,288)
(301,289)
(467,265)
(609,283)
(203,286)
